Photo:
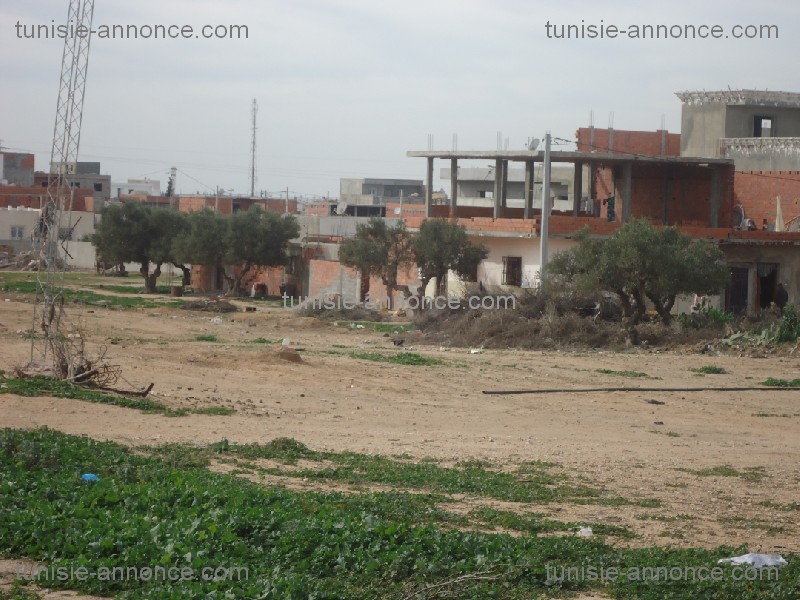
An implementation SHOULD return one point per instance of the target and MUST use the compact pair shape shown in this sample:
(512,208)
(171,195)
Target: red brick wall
(757,192)
(644,143)
(36,196)
(688,194)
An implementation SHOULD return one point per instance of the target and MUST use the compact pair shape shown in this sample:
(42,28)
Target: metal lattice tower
(253,152)
(48,347)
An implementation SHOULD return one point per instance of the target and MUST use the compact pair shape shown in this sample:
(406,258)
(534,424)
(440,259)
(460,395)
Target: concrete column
(716,197)
(752,288)
(504,191)
(577,188)
(627,176)
(453,186)
(498,187)
(429,189)
(526,213)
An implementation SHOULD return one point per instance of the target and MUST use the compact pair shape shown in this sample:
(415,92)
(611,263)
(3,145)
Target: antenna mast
(253,151)
(49,304)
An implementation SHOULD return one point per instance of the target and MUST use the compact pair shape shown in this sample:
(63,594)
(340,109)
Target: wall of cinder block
(757,192)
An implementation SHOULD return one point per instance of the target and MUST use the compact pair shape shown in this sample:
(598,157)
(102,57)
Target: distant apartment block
(16,168)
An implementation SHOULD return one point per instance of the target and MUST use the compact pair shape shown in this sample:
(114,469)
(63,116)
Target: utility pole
(545,209)
(286,205)
(253,151)
(401,203)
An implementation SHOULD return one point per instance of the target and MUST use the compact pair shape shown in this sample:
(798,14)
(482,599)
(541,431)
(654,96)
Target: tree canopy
(136,232)
(640,262)
(256,239)
(442,246)
(378,250)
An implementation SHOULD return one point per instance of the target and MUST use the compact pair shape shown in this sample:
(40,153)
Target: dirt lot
(331,401)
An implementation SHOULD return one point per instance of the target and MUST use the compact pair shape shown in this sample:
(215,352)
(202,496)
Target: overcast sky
(346,87)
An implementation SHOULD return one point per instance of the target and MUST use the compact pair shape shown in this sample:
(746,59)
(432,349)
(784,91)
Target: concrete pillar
(577,188)
(526,213)
(498,187)
(627,176)
(752,289)
(429,189)
(716,197)
(504,190)
(453,186)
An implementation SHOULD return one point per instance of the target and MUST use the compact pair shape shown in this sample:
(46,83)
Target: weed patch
(401,358)
(783,383)
(171,512)
(709,370)
(623,373)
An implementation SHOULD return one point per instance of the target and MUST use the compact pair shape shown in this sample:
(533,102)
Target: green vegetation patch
(207,337)
(43,386)
(91,298)
(749,474)
(622,373)
(709,370)
(149,511)
(783,383)
(401,358)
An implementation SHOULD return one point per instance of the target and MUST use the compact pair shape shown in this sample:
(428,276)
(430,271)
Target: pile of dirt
(215,305)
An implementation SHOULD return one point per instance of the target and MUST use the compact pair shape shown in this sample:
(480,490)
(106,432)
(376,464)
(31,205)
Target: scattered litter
(356,326)
(478,350)
(757,560)
(89,478)
(585,532)
(285,342)
(656,402)
(216,320)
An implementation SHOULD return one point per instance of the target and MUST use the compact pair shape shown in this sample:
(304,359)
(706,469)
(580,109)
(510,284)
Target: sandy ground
(330,401)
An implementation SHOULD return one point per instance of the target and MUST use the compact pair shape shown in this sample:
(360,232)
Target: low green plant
(622,373)
(207,337)
(43,386)
(709,370)
(401,358)
(783,383)
(789,325)
(170,511)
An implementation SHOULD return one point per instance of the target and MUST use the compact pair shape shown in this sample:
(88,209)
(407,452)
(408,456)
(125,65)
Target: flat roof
(568,157)
(741,97)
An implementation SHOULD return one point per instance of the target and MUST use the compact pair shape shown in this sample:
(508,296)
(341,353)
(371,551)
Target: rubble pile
(26,261)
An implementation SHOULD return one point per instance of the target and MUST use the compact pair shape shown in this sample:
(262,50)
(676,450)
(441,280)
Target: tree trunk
(187,274)
(663,308)
(235,281)
(363,288)
(151,280)
(624,299)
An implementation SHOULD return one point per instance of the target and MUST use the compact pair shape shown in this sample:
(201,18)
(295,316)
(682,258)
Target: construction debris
(210,305)
(26,261)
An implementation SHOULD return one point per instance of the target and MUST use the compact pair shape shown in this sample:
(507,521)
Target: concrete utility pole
(253,151)
(545,208)
(286,205)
